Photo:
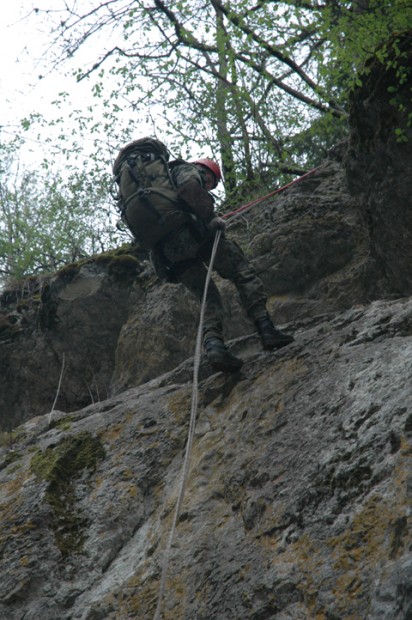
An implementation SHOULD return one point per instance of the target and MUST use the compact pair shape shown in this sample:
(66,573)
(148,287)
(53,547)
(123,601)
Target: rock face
(115,326)
(297,503)
(379,162)
(298,498)
(67,323)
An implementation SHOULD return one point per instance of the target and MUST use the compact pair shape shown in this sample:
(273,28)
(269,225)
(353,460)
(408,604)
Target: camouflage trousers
(188,252)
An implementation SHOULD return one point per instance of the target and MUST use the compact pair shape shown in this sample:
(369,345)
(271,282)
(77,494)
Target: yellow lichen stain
(365,544)
(14,524)
(99,481)
(112,433)
(365,537)
(11,499)
(125,491)
(136,601)
(175,602)
(127,474)
(350,558)
(286,371)
(22,528)
(138,597)
(132,491)
(115,430)
(369,539)
(11,487)
(179,405)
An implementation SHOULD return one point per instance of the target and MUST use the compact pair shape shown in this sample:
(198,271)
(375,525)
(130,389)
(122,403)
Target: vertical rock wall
(379,159)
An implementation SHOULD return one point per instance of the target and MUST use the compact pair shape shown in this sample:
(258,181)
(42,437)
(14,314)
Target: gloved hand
(217,223)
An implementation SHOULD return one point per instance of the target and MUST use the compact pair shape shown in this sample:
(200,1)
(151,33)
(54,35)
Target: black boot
(219,355)
(271,337)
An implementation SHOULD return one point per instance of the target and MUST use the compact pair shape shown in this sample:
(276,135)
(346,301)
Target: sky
(23,45)
(25,55)
(18,65)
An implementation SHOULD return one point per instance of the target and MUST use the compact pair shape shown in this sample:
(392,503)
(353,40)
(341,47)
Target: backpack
(147,196)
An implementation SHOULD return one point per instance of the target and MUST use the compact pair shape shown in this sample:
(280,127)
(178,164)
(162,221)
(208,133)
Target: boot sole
(277,345)
(226,368)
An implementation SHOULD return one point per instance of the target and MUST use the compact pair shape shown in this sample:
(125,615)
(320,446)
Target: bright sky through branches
(26,55)
(23,43)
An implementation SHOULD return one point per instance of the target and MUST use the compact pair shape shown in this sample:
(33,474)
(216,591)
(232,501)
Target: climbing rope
(192,425)
(195,392)
(232,214)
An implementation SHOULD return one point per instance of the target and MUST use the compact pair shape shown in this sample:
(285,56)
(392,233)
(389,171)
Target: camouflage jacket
(189,182)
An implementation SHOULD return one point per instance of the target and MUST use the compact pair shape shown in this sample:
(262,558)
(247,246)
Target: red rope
(276,191)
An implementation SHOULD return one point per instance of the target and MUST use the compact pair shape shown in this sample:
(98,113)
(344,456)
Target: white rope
(58,389)
(192,425)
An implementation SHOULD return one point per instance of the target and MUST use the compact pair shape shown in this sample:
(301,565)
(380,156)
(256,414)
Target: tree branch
(238,21)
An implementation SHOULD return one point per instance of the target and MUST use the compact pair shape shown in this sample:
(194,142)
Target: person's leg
(231,263)
(181,256)
(194,278)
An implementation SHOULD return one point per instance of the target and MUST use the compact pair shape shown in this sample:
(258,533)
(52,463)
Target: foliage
(49,219)
(357,31)
(243,82)
(261,86)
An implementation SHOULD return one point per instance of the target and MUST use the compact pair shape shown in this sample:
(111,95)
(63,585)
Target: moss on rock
(60,466)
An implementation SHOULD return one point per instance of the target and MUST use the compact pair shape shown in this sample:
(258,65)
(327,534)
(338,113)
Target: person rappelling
(169,209)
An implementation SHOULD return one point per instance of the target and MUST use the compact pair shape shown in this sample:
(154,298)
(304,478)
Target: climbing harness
(195,391)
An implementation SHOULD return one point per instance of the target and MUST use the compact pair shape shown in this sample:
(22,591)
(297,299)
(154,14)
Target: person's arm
(191,192)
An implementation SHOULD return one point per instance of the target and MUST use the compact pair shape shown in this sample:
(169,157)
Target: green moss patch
(124,268)
(61,466)
(64,424)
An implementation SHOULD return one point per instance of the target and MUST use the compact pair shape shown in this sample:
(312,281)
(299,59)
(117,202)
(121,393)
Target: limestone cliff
(298,500)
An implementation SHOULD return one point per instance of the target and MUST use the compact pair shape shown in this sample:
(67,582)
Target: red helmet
(210,165)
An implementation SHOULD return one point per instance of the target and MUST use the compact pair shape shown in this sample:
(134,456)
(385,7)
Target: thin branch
(58,388)
(190,41)
(273,51)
